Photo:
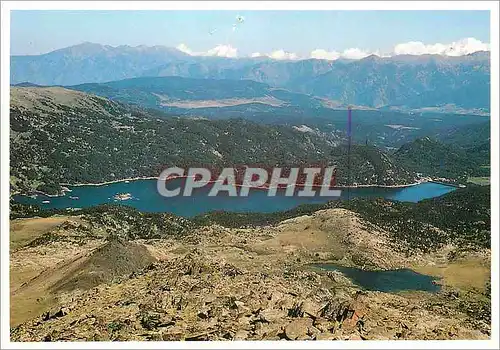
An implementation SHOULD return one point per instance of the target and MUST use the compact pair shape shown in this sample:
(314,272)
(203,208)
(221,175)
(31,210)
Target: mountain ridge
(411,81)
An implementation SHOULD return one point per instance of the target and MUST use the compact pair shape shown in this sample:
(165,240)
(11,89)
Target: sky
(278,34)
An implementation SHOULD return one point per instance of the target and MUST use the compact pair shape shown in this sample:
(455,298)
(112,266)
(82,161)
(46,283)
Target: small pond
(386,281)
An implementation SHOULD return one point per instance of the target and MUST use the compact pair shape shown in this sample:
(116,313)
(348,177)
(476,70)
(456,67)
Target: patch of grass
(23,231)
(465,274)
(479,180)
(115,326)
(150,321)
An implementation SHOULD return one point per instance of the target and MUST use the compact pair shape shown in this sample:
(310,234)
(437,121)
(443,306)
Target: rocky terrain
(84,279)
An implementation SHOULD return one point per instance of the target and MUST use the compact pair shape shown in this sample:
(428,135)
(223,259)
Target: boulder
(355,336)
(242,308)
(313,332)
(204,313)
(276,299)
(241,335)
(324,325)
(54,313)
(298,328)
(239,304)
(311,308)
(209,299)
(326,336)
(271,315)
(172,334)
(244,321)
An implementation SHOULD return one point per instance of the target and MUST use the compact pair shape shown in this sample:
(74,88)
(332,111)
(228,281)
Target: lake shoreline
(180,177)
(341,187)
(147,199)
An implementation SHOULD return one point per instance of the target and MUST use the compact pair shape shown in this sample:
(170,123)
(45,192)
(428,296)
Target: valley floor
(71,280)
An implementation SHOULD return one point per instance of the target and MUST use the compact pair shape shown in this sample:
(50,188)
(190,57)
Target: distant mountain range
(172,93)
(90,62)
(400,81)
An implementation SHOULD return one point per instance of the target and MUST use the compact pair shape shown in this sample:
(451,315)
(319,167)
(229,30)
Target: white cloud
(283,55)
(277,55)
(321,54)
(223,51)
(356,54)
(184,48)
(457,48)
(219,51)
(352,53)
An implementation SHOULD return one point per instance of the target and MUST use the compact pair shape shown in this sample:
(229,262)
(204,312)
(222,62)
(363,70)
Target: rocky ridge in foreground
(216,283)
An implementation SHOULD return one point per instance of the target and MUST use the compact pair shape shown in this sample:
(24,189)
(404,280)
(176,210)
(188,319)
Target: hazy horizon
(276,34)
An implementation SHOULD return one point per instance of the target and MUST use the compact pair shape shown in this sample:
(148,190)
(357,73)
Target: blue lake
(389,281)
(145,197)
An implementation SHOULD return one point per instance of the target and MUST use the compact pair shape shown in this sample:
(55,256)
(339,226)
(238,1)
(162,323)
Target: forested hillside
(64,136)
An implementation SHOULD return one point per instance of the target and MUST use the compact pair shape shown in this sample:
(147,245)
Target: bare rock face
(326,336)
(241,335)
(193,297)
(113,259)
(338,308)
(311,308)
(272,315)
(298,329)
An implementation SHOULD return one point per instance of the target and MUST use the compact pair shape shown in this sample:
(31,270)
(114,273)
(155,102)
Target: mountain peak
(87,49)
(88,44)
(372,57)
(84,49)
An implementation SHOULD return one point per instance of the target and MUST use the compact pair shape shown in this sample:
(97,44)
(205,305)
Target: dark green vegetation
(18,210)
(385,129)
(433,158)
(235,220)
(156,91)
(476,304)
(64,136)
(475,135)
(119,221)
(461,217)
(129,223)
(401,81)
(474,139)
